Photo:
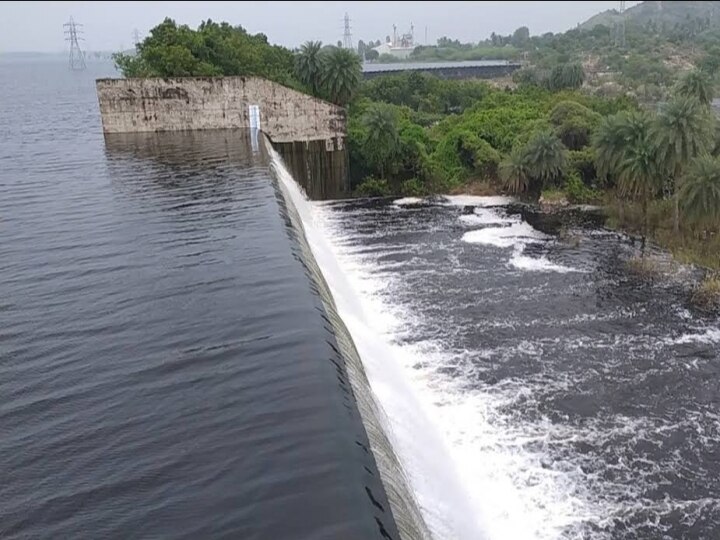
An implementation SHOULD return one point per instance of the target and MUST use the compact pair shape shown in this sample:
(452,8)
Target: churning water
(573,400)
(165,370)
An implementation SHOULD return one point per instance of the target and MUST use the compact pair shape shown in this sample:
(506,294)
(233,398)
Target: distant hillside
(659,14)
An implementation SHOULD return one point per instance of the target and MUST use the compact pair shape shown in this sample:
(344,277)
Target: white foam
(482,216)
(519,233)
(407,201)
(476,200)
(422,451)
(539,264)
(711,335)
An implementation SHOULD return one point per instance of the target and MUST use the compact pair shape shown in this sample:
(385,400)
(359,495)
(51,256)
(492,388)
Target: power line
(77,56)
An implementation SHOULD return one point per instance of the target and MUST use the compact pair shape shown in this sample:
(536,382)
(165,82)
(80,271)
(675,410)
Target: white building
(398,46)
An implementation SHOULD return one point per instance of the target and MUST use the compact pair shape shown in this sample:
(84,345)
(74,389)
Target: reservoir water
(164,358)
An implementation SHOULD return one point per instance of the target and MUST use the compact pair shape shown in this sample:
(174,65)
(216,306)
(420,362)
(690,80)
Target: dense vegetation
(659,41)
(221,49)
(212,49)
(415,134)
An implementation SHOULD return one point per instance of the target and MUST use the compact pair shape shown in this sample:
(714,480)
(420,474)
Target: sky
(109,26)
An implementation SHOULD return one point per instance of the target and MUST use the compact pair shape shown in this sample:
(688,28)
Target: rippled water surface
(165,368)
(576,401)
(166,371)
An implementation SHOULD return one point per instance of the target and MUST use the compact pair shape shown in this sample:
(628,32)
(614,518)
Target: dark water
(165,368)
(577,401)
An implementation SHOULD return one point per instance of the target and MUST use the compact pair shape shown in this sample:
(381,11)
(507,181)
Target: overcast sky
(37,26)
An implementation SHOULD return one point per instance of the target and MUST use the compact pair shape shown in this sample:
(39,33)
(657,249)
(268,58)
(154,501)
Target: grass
(707,294)
(700,247)
(553,197)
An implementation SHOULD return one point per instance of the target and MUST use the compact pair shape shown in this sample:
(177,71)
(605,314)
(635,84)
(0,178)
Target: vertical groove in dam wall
(320,167)
(406,514)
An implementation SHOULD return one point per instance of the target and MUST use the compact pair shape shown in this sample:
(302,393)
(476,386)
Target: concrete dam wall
(191,103)
(310,132)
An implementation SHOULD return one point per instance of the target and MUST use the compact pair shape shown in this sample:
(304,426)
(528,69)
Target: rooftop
(409,66)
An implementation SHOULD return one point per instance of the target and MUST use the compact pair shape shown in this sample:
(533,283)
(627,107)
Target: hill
(659,14)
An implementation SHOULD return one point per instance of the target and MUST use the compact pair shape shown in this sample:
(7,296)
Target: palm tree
(613,136)
(545,157)
(609,144)
(341,75)
(514,171)
(381,140)
(308,65)
(639,175)
(682,132)
(700,191)
(573,75)
(695,84)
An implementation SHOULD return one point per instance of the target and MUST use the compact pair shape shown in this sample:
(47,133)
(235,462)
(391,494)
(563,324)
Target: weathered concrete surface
(194,103)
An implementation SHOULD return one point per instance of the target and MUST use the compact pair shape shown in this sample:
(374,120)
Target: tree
(309,65)
(612,137)
(682,132)
(545,157)
(695,84)
(214,48)
(371,55)
(382,140)
(639,175)
(514,172)
(574,123)
(341,75)
(520,37)
(710,63)
(566,76)
(700,192)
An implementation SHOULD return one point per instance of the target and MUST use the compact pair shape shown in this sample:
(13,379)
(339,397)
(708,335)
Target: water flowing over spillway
(409,431)
(189,348)
(564,397)
(168,366)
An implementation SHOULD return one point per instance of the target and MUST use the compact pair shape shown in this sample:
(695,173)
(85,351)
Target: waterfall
(422,486)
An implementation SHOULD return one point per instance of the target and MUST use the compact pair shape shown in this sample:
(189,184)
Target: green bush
(486,160)
(413,188)
(373,187)
(577,192)
(461,153)
(574,123)
(531,129)
(413,151)
(582,162)
(526,76)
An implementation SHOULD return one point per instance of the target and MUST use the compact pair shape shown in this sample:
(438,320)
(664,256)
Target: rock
(436,199)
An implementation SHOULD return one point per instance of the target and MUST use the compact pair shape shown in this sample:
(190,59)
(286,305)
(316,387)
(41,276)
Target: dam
(191,377)
(308,132)
(194,348)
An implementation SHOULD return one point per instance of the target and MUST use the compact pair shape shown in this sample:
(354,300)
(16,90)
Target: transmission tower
(347,36)
(77,57)
(136,37)
(620,27)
